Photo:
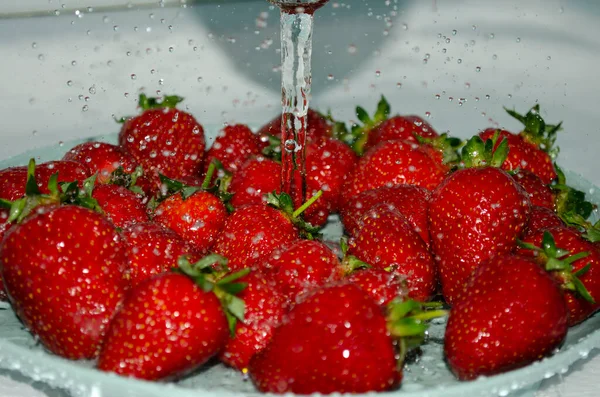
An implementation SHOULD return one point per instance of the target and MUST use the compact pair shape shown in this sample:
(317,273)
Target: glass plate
(426,377)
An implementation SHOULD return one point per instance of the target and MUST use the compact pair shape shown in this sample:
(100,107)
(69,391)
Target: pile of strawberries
(158,254)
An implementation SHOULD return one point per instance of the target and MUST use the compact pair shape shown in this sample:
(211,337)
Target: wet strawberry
(541,218)
(68,303)
(387,240)
(164,139)
(257,177)
(233,146)
(381,285)
(102,159)
(302,265)
(251,233)
(153,249)
(511,314)
(120,205)
(336,340)
(410,128)
(197,219)
(539,193)
(393,163)
(265,308)
(409,200)
(474,214)
(318,127)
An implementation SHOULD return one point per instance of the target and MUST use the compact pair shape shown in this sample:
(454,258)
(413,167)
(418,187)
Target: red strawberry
(575,265)
(381,285)
(409,200)
(63,269)
(475,213)
(511,314)
(4,225)
(197,218)
(387,240)
(251,233)
(392,163)
(302,265)
(232,147)
(265,308)
(335,341)
(539,193)
(328,164)
(318,127)
(13,180)
(152,249)
(169,325)
(163,139)
(410,128)
(102,159)
(120,205)
(541,218)
(256,177)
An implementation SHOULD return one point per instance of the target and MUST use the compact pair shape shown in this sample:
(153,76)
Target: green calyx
(408,320)
(477,153)
(573,208)
(168,101)
(536,131)
(358,135)
(556,260)
(60,193)
(445,144)
(210,274)
(284,203)
(127,180)
(273,150)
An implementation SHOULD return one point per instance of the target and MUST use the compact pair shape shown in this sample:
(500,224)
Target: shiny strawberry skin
(300,266)
(400,128)
(474,214)
(265,308)
(410,200)
(523,155)
(511,314)
(198,219)
(102,159)
(257,177)
(13,180)
(539,193)
(153,249)
(381,285)
(318,127)
(4,225)
(387,240)
(392,163)
(166,141)
(571,240)
(67,302)
(334,341)
(251,233)
(541,218)
(233,146)
(166,328)
(120,205)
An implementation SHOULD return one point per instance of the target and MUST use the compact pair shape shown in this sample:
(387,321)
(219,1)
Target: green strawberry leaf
(31,187)
(169,101)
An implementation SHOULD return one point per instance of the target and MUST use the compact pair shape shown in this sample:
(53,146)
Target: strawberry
(409,200)
(172,323)
(152,249)
(387,240)
(233,146)
(13,180)
(337,340)
(102,159)
(197,216)
(392,163)
(475,213)
(251,233)
(319,126)
(256,177)
(539,193)
(301,265)
(120,205)
(381,285)
(511,314)
(265,307)
(164,139)
(541,218)
(63,269)
(410,128)
(574,262)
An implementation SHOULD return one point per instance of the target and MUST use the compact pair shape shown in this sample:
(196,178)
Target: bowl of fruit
(326,249)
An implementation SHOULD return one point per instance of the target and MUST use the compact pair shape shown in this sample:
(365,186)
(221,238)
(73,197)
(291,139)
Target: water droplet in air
(133,77)
(478,69)
(330,77)
(85,108)
(92,89)
(34,45)
(41,57)
(454,32)
(70,83)
(518,39)
(352,49)
(290,145)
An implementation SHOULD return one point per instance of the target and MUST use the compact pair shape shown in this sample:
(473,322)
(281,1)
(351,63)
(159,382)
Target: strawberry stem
(307,204)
